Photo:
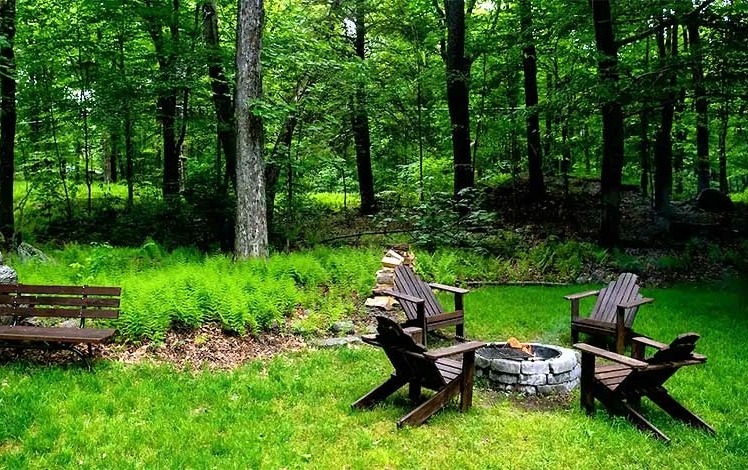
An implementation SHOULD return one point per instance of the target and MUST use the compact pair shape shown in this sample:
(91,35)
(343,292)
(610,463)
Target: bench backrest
(25,300)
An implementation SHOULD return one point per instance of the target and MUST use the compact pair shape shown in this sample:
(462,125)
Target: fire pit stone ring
(552,369)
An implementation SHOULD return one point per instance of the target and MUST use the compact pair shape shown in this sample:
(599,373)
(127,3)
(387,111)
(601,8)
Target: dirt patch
(555,402)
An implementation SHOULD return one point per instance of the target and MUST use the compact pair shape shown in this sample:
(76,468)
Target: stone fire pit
(553,370)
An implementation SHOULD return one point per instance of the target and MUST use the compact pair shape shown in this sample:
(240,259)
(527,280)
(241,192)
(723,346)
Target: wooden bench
(68,302)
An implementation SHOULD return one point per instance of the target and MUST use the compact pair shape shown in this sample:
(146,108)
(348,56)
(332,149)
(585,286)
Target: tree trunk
(644,143)
(644,146)
(702,106)
(550,163)
(530,69)
(458,98)
(219,84)
(167,111)
(282,150)
(167,96)
(251,236)
(360,121)
(663,178)
(7,119)
(612,117)
(724,121)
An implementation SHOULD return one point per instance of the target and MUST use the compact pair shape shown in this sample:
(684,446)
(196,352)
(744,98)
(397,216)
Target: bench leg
(81,355)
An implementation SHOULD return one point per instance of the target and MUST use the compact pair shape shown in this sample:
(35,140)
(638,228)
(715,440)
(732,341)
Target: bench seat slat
(61,335)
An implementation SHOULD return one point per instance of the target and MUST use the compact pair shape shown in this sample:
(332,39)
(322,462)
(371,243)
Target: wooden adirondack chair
(621,385)
(613,314)
(421,306)
(417,367)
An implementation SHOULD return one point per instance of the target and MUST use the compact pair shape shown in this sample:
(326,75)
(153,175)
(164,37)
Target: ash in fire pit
(546,369)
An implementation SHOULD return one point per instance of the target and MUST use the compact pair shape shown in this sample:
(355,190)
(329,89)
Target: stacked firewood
(393,258)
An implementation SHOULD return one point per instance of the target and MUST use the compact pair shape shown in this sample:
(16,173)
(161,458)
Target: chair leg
(424,411)
(663,399)
(467,379)
(381,392)
(460,332)
(641,422)
(414,391)
(587,396)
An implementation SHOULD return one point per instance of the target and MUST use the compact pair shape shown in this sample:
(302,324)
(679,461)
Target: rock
(71,323)
(712,200)
(26,252)
(343,326)
(8,275)
(336,342)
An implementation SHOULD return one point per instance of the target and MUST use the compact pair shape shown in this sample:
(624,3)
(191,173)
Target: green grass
(294,411)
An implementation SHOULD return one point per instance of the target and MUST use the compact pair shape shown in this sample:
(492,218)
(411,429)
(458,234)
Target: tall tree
(612,116)
(7,116)
(663,178)
(251,234)
(160,18)
(458,96)
(530,68)
(701,100)
(360,118)
(219,84)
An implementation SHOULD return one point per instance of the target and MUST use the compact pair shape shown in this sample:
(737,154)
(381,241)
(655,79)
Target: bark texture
(458,98)
(530,69)
(612,116)
(219,84)
(251,236)
(360,121)
(703,169)
(166,55)
(7,117)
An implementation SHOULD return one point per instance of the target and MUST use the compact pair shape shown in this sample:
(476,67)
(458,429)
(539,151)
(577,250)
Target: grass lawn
(294,411)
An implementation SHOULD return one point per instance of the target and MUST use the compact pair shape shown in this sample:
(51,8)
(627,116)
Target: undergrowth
(305,292)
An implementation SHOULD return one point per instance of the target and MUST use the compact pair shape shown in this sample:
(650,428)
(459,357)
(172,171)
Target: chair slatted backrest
(408,282)
(623,289)
(406,355)
(24,300)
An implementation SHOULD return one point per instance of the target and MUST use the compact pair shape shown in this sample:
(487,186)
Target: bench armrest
(611,356)
(581,295)
(446,288)
(460,348)
(636,302)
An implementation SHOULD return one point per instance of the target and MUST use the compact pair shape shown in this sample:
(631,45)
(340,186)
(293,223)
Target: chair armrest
(611,356)
(460,348)
(402,296)
(636,302)
(649,342)
(581,295)
(446,288)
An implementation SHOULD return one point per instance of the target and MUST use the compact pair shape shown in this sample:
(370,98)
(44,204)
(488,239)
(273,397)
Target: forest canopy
(411,98)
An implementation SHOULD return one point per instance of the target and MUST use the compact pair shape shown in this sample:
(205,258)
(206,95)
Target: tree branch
(665,24)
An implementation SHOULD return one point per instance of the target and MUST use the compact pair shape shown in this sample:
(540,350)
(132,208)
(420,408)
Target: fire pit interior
(528,368)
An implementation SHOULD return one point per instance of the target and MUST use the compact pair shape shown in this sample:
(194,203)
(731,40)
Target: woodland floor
(576,214)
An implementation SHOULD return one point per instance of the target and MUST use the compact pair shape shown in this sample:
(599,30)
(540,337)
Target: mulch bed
(207,347)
